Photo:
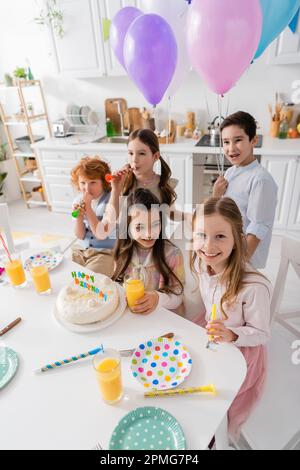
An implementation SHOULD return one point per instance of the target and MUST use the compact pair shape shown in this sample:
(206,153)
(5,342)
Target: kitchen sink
(118,139)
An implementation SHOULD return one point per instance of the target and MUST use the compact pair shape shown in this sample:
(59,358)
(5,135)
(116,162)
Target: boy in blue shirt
(249,184)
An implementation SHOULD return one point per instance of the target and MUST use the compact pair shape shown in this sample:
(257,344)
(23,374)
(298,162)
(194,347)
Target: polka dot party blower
(58,364)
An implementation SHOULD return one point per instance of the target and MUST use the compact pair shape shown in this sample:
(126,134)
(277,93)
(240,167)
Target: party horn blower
(181,391)
(58,364)
(211,338)
(213,318)
(109,178)
(76,213)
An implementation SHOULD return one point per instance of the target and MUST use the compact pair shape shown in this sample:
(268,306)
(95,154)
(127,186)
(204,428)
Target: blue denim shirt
(90,241)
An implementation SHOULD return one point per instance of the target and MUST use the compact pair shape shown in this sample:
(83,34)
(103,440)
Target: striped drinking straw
(58,364)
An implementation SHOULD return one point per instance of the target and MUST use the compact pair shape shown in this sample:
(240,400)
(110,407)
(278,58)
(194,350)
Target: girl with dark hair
(145,247)
(143,154)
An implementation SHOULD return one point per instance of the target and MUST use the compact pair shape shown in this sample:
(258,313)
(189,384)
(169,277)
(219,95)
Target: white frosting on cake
(80,306)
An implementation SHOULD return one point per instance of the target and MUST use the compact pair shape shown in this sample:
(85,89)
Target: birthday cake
(88,299)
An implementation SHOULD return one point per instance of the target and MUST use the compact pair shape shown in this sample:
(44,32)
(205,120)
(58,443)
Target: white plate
(93,118)
(84,112)
(98,325)
(76,115)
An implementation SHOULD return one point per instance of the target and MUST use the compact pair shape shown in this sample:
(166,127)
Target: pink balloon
(222,38)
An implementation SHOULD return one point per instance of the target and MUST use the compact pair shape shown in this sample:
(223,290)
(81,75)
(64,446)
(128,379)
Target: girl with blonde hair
(241,294)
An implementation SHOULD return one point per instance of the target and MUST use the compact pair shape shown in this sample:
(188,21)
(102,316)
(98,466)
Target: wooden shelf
(36,203)
(28,177)
(9,121)
(38,117)
(23,155)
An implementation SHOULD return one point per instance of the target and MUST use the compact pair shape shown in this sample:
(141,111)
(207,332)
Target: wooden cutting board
(135,119)
(111,112)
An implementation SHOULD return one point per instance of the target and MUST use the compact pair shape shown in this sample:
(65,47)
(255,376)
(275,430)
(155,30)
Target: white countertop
(280,147)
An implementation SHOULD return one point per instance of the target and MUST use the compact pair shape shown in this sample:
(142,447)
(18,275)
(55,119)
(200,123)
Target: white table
(62,409)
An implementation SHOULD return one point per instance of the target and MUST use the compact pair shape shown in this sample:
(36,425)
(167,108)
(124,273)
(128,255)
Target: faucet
(119,106)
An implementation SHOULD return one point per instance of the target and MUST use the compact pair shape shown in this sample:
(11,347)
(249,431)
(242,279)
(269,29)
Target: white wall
(21,38)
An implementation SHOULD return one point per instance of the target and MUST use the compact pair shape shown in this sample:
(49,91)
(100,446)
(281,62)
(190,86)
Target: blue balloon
(277,14)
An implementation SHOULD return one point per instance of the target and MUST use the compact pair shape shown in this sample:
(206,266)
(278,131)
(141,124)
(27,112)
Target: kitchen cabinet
(84,51)
(280,158)
(286,173)
(108,9)
(294,216)
(182,169)
(79,53)
(56,163)
(286,48)
(56,168)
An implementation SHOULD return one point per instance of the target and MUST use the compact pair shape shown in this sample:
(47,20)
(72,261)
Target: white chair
(5,228)
(290,255)
(275,422)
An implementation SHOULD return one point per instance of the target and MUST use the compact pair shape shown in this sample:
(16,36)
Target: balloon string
(154,109)
(221,153)
(169,119)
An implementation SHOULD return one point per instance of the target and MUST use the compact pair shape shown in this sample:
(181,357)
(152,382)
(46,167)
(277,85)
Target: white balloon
(165,8)
(175,13)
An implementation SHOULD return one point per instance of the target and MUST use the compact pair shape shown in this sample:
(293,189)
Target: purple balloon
(118,29)
(150,54)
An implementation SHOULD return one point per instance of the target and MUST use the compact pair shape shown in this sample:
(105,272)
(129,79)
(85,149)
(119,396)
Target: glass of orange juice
(134,287)
(107,365)
(41,279)
(15,272)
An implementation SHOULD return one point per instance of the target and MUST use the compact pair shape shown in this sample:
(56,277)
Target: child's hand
(220,187)
(87,199)
(220,333)
(147,304)
(81,210)
(118,179)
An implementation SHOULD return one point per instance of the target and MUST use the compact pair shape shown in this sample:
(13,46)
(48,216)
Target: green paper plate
(8,365)
(148,428)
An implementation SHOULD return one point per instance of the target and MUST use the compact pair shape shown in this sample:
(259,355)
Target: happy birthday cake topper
(87,282)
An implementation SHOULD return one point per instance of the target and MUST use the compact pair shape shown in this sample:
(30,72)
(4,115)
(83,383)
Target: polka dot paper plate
(9,363)
(148,428)
(161,364)
(50,258)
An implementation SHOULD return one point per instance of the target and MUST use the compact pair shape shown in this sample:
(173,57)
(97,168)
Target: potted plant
(20,74)
(52,16)
(2,178)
